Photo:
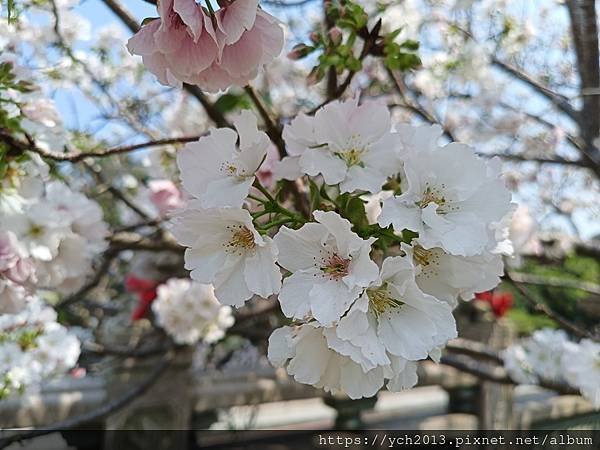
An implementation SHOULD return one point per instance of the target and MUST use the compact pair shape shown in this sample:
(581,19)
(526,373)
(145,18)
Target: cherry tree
(341,174)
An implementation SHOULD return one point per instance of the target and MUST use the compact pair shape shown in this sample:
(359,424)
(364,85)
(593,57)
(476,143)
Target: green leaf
(410,45)
(314,195)
(355,212)
(147,20)
(229,102)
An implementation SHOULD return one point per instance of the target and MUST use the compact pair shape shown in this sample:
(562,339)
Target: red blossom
(500,302)
(146,292)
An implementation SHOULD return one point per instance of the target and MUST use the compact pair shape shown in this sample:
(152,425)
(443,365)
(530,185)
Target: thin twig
(99,349)
(498,374)
(415,107)
(78,156)
(560,101)
(545,309)
(474,349)
(526,278)
(129,20)
(273,129)
(101,412)
(102,270)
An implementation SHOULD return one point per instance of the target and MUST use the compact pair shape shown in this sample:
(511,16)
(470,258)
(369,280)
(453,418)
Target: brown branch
(498,374)
(106,409)
(332,78)
(118,243)
(474,349)
(368,44)
(584,30)
(558,100)
(274,132)
(78,156)
(107,259)
(525,278)
(536,159)
(414,106)
(97,174)
(273,129)
(573,140)
(133,241)
(545,309)
(129,20)
(100,349)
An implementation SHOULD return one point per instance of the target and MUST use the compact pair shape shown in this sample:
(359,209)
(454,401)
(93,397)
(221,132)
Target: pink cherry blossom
(265,172)
(165,196)
(189,45)
(177,46)
(14,264)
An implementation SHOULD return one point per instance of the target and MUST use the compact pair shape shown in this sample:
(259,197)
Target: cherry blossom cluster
(33,347)
(549,355)
(369,288)
(51,233)
(189,312)
(211,49)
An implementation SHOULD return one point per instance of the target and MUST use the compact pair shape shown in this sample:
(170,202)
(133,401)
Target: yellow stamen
(336,267)
(431,195)
(381,301)
(242,238)
(352,157)
(422,256)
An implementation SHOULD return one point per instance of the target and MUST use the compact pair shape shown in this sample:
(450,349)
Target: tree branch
(558,100)
(525,278)
(536,159)
(584,30)
(129,20)
(473,349)
(545,309)
(78,156)
(273,129)
(498,374)
(103,411)
(415,107)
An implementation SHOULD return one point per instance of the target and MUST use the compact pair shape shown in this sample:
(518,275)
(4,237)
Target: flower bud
(299,51)
(335,34)
(315,75)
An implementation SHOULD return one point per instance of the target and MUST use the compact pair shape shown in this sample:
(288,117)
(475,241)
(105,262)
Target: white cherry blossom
(581,365)
(217,171)
(348,144)
(33,347)
(450,196)
(330,267)
(298,135)
(447,277)
(83,215)
(13,297)
(310,355)
(38,229)
(225,249)
(394,316)
(537,357)
(189,311)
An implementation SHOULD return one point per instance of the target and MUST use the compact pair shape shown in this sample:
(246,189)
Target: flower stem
(258,199)
(272,205)
(263,190)
(210,8)
(267,226)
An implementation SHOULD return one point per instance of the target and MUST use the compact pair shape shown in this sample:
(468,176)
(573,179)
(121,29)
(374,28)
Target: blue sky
(79,111)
